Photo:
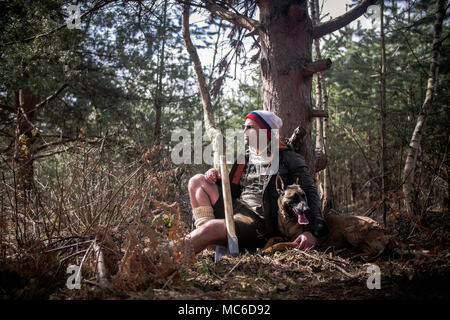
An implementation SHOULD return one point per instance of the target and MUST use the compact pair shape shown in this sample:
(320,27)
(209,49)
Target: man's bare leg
(213,232)
(202,193)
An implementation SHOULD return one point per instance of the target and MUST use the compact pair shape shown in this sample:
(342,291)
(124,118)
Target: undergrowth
(123,226)
(120,224)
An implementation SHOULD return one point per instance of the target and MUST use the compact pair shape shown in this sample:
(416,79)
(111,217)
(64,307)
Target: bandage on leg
(202,214)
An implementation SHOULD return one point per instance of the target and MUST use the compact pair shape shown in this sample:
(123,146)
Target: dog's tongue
(301,218)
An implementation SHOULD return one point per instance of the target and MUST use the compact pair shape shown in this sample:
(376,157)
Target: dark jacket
(291,166)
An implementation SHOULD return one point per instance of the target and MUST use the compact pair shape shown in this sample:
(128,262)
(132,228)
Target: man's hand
(306,241)
(212,175)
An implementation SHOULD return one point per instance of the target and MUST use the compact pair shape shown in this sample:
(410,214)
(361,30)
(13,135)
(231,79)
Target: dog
(358,232)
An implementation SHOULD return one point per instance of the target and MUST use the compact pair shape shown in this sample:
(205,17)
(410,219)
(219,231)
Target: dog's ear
(279,182)
(297,181)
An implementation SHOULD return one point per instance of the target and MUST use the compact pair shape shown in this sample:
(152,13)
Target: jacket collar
(241,165)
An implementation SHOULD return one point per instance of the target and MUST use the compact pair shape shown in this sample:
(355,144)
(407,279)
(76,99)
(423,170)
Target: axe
(233,247)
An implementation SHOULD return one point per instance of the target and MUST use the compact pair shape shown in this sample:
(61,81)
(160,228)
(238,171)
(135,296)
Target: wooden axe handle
(226,189)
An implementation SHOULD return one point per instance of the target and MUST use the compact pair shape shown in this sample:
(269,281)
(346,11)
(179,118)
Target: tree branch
(52,154)
(46,100)
(316,66)
(319,113)
(328,27)
(95,8)
(55,143)
(233,17)
(204,92)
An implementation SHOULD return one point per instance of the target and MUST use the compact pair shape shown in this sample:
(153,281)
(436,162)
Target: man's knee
(198,184)
(196,181)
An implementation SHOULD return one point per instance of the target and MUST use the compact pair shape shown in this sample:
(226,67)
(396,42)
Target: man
(254,193)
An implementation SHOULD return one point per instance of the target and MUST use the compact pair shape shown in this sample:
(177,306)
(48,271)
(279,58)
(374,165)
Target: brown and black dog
(359,232)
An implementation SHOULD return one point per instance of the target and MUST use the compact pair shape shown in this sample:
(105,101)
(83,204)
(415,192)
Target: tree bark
(322,123)
(383,114)
(286,47)
(24,140)
(159,87)
(319,102)
(414,145)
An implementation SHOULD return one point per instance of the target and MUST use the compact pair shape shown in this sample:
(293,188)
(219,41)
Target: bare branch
(317,66)
(328,27)
(319,113)
(55,143)
(49,98)
(233,17)
(52,154)
(204,92)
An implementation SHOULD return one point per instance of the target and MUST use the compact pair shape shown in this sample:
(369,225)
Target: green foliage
(354,101)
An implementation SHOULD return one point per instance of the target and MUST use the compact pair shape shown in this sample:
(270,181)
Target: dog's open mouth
(301,218)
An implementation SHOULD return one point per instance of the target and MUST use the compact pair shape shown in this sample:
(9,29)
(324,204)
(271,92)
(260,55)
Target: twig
(84,258)
(68,246)
(329,263)
(101,268)
(114,196)
(240,260)
(170,278)
(73,254)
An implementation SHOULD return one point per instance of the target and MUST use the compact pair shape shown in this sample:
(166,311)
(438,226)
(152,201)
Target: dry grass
(94,210)
(132,219)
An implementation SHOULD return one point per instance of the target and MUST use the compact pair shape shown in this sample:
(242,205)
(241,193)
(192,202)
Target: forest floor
(301,275)
(421,271)
(296,275)
(418,266)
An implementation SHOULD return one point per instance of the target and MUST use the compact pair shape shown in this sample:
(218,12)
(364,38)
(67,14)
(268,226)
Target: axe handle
(229,221)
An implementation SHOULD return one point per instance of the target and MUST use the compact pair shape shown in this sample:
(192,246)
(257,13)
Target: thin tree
(414,145)
(159,86)
(322,99)
(383,161)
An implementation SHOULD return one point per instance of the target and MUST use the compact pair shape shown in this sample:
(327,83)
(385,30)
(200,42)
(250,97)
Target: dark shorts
(248,225)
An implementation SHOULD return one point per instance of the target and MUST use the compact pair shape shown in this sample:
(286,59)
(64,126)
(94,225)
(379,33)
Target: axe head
(233,249)
(220,252)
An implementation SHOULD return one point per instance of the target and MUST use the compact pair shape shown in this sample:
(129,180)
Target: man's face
(251,129)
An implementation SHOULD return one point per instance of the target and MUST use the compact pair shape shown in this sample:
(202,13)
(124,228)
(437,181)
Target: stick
(101,268)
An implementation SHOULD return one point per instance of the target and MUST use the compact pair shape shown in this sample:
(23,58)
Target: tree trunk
(322,124)
(24,140)
(414,146)
(383,161)
(286,45)
(319,102)
(285,35)
(159,87)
